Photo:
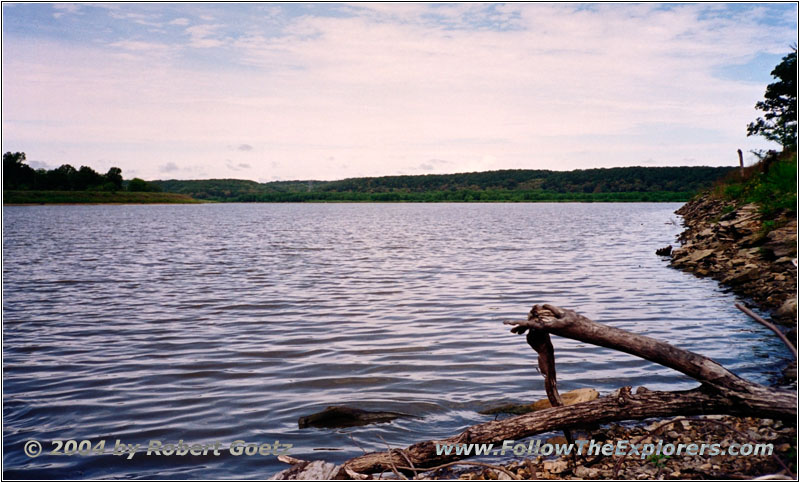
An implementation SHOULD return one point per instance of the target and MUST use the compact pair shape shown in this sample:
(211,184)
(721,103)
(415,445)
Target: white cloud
(563,87)
(180,21)
(169,167)
(141,46)
(147,19)
(62,9)
(204,36)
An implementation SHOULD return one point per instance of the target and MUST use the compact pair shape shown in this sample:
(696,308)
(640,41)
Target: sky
(330,91)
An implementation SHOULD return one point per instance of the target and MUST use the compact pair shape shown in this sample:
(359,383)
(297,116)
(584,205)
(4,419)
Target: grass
(91,197)
(773,191)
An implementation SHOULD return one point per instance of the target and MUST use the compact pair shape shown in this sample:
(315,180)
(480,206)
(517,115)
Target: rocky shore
(723,430)
(752,255)
(756,257)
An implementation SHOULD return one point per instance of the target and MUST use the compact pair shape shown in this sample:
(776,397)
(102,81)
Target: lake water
(227,322)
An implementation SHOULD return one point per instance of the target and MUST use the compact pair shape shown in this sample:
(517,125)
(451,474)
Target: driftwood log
(720,392)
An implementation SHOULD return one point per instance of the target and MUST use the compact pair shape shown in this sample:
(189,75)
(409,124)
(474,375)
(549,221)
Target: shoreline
(730,244)
(744,251)
(38,198)
(196,201)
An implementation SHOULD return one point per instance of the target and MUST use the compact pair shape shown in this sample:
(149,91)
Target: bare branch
(768,325)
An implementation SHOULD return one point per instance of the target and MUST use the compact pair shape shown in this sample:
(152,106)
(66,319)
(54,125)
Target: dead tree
(720,392)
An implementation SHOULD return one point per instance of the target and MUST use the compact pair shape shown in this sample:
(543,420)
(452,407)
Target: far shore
(35,198)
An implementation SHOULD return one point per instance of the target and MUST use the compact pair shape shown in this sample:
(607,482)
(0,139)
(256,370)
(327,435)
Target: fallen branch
(539,340)
(768,325)
(720,392)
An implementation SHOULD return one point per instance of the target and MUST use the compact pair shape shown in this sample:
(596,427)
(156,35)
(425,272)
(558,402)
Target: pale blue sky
(327,91)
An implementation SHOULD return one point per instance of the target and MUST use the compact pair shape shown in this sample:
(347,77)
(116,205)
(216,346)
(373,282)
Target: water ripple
(224,322)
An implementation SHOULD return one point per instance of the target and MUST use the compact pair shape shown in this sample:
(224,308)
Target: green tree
(17,174)
(87,178)
(779,123)
(137,184)
(62,178)
(114,177)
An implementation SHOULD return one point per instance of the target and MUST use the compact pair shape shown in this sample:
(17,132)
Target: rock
(557,440)
(556,467)
(586,473)
(741,276)
(788,309)
(570,397)
(308,471)
(344,416)
(700,254)
(782,242)
(664,252)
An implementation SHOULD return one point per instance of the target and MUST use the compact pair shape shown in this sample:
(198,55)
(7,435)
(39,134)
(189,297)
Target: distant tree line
(17,175)
(645,184)
(605,184)
(462,196)
(602,180)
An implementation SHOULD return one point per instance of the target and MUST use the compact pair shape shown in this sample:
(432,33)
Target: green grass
(91,197)
(774,191)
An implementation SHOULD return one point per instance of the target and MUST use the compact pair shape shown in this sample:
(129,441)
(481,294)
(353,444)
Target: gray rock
(700,254)
(308,471)
(344,416)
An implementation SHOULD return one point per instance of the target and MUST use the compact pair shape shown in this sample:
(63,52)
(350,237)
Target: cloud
(39,165)
(389,87)
(180,21)
(245,147)
(204,36)
(141,46)
(236,166)
(62,9)
(147,19)
(169,167)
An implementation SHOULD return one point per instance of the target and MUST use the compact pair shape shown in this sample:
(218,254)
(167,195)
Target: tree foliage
(779,123)
(17,175)
(612,184)
(140,185)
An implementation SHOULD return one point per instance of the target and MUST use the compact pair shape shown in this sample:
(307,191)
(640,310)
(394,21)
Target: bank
(743,233)
(41,197)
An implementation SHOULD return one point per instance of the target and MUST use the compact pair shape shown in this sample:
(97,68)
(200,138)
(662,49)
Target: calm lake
(227,322)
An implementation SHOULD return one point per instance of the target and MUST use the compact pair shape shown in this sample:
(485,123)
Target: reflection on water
(223,322)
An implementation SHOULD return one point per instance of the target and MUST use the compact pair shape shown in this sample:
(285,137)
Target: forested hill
(603,184)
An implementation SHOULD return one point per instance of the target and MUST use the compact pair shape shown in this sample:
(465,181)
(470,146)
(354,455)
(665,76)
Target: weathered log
(539,340)
(720,392)
(619,406)
(567,323)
